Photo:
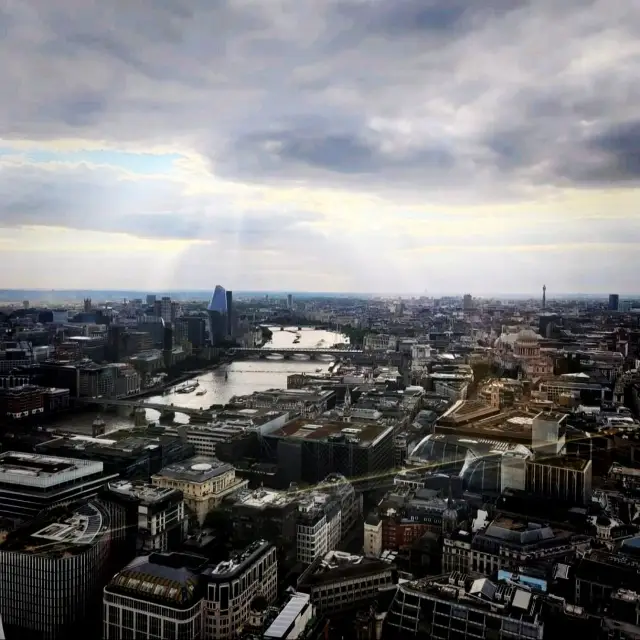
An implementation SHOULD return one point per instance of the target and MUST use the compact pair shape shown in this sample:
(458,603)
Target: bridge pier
(140,417)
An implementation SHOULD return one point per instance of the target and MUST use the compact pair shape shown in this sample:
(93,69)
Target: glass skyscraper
(217,311)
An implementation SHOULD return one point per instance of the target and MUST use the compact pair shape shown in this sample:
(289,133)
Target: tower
(544,296)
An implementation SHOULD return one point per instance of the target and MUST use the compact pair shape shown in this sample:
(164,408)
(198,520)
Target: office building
(233,584)
(309,449)
(614,302)
(193,329)
(548,434)
(465,606)
(51,570)
(318,530)
(162,308)
(230,313)
(157,514)
(156,596)
(289,301)
(339,581)
(507,543)
(204,483)
(30,483)
(151,299)
(564,478)
(217,312)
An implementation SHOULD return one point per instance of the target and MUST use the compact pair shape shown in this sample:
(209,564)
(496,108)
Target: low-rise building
(339,581)
(204,483)
(470,606)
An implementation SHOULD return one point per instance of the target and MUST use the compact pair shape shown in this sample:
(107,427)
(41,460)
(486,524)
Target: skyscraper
(614,301)
(217,311)
(544,296)
(289,301)
(230,313)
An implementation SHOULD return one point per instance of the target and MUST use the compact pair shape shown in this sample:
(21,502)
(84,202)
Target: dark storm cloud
(479,98)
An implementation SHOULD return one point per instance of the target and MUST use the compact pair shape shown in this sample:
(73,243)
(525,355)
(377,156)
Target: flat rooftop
(65,530)
(36,470)
(480,593)
(336,565)
(318,429)
(238,562)
(196,469)
(563,462)
(146,493)
(262,498)
(514,425)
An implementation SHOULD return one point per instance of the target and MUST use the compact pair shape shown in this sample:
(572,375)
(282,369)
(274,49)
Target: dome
(218,300)
(527,335)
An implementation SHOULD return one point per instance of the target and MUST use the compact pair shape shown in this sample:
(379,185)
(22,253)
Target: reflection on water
(238,378)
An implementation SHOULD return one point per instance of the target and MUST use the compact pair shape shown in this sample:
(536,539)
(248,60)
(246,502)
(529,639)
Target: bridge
(136,403)
(291,351)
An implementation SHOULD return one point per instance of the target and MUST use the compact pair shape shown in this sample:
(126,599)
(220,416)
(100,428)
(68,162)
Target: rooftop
(238,561)
(262,498)
(146,493)
(340,564)
(478,592)
(170,578)
(361,432)
(60,531)
(196,469)
(35,470)
(563,462)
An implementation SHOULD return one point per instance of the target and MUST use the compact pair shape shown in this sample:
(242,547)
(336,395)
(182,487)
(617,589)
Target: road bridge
(138,403)
(290,351)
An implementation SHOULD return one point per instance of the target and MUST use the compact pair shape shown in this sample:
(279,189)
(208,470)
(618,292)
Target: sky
(321,145)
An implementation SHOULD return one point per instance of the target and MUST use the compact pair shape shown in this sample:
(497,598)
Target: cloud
(301,129)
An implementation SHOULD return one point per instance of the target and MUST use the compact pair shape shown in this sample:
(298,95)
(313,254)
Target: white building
(293,619)
(204,483)
(319,527)
(380,342)
(372,536)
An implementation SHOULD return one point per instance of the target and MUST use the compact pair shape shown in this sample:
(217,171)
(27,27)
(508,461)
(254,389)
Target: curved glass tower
(217,311)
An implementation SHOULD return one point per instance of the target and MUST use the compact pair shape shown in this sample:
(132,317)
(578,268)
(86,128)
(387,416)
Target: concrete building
(233,584)
(318,529)
(204,483)
(562,478)
(31,483)
(304,402)
(470,606)
(160,517)
(51,570)
(507,543)
(156,596)
(339,581)
(380,342)
(307,450)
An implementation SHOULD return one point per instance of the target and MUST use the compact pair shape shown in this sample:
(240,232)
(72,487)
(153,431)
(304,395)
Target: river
(238,378)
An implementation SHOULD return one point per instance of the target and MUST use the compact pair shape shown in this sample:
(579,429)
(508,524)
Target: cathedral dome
(527,336)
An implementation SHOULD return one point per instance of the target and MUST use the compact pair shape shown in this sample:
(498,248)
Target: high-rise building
(614,301)
(51,571)
(163,308)
(217,311)
(467,302)
(151,299)
(289,302)
(230,313)
(544,296)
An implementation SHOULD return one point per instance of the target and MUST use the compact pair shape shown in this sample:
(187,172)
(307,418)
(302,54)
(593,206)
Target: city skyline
(346,145)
